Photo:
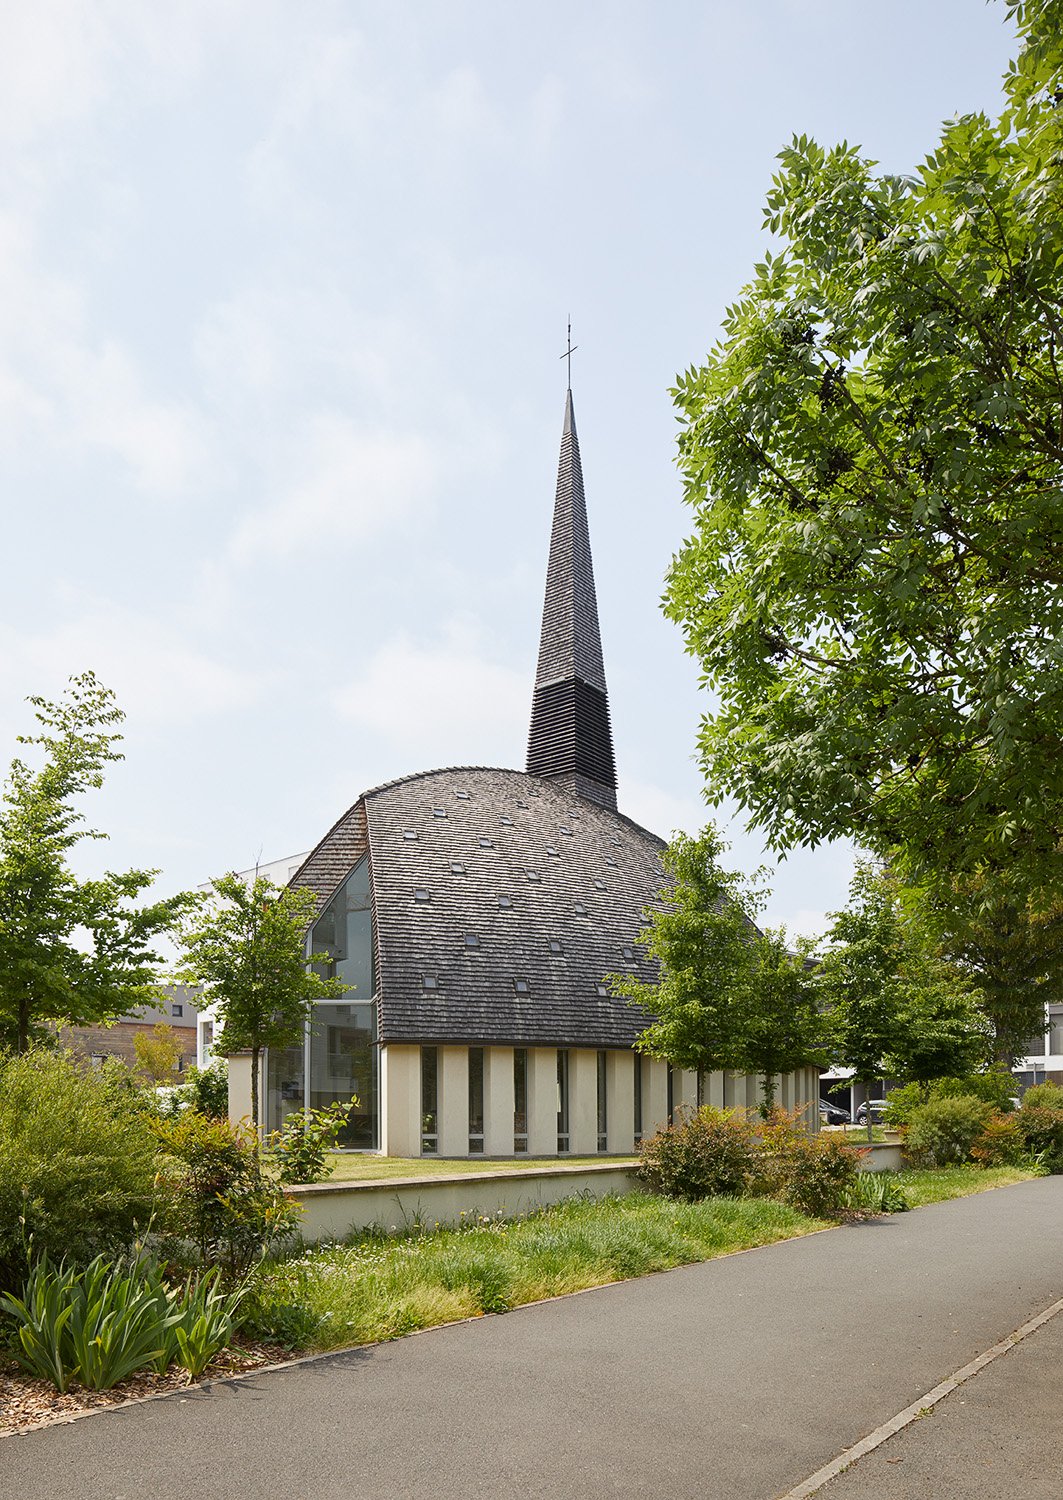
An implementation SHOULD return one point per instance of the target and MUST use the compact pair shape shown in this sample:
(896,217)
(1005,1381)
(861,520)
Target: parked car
(875,1107)
(833,1114)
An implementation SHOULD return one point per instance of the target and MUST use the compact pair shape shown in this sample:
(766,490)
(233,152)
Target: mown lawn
(352,1167)
(379,1287)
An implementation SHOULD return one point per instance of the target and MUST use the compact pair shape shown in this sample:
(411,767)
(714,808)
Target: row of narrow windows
(430,1092)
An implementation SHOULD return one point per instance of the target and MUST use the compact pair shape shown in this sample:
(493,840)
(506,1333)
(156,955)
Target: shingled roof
(533,897)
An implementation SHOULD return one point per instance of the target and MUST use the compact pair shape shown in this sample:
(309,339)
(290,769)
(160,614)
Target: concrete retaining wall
(333,1209)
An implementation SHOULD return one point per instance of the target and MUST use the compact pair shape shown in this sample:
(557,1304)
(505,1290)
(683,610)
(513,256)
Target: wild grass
(378,1287)
(355,1167)
(935,1184)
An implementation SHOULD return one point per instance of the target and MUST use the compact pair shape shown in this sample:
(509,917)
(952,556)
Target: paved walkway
(731,1380)
(1000,1434)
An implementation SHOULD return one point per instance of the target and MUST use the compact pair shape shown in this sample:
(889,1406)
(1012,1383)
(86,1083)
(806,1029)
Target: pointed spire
(570,737)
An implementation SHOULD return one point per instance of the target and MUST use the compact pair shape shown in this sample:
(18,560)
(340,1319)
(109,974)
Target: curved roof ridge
(385,786)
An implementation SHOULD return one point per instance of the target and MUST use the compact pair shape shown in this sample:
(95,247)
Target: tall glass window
(562,1101)
(671,1095)
(429,1102)
(1054,1045)
(476,1101)
(520,1099)
(284,1084)
(340,1059)
(603,1120)
(638,1098)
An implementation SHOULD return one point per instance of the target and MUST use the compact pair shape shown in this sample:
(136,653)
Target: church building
(476,912)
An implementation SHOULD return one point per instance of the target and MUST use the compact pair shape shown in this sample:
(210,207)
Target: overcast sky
(284,287)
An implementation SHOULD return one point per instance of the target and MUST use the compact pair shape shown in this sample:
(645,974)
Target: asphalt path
(1000,1434)
(731,1380)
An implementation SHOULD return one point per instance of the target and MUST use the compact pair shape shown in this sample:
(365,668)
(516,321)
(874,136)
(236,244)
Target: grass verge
(938,1183)
(377,1288)
(380,1286)
(353,1167)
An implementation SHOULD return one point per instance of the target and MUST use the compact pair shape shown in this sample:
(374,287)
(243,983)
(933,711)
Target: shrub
(219,1203)
(1043,1096)
(817,1174)
(1042,1131)
(77,1162)
(994,1087)
(709,1153)
(300,1147)
(942,1133)
(1001,1143)
(207,1089)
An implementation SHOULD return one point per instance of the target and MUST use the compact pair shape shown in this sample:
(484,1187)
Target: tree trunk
(769,1094)
(255,1054)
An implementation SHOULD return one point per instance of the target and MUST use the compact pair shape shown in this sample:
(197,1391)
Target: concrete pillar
(785,1090)
(714,1090)
(542,1101)
(582,1101)
(753,1090)
(654,1096)
(498,1101)
(620,1101)
(240,1089)
(453,1101)
(400,1100)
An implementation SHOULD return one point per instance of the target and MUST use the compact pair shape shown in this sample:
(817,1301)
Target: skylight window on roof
(462,796)
(487,843)
(610,861)
(616,843)
(409,834)
(551,850)
(599,885)
(556,946)
(603,989)
(420,894)
(581,910)
(472,940)
(567,832)
(533,875)
(521,804)
(504,903)
(439,812)
(522,986)
(506,822)
(430,982)
(456,867)
(627,953)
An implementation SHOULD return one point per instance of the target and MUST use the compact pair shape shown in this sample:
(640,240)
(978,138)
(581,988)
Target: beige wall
(400,1085)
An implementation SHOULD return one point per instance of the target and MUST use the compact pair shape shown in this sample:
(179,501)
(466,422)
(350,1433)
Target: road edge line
(918,1408)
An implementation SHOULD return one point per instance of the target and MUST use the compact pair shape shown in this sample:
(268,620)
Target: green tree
(248,951)
(72,951)
(158,1052)
(1012,948)
(703,937)
(781,1025)
(894,1006)
(874,456)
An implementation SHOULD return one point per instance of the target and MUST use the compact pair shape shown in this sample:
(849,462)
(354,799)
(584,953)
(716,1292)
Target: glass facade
(520,1099)
(603,1120)
(476,1101)
(562,1100)
(339,1059)
(429,1101)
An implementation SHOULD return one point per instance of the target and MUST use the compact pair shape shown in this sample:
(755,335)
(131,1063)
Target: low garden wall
(883,1156)
(333,1209)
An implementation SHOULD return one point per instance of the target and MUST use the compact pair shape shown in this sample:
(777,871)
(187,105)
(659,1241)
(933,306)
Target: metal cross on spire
(569,352)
